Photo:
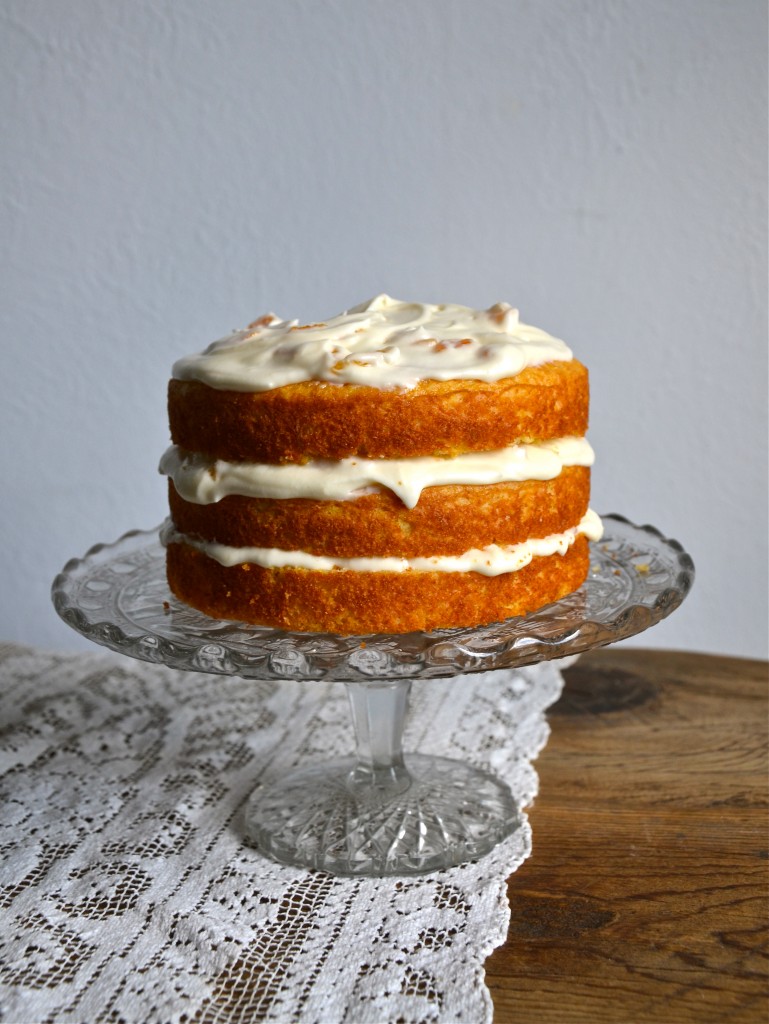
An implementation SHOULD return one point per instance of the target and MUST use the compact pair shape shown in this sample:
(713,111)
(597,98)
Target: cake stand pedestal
(379,813)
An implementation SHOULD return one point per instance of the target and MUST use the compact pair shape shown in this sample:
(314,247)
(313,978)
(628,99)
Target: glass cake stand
(377,813)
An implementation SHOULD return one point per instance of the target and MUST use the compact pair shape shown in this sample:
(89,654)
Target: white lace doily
(128,894)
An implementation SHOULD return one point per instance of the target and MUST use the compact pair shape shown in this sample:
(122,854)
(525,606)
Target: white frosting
(383,343)
(492,560)
(204,481)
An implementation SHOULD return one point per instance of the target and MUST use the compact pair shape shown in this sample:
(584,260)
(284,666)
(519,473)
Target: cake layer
(348,602)
(446,520)
(319,420)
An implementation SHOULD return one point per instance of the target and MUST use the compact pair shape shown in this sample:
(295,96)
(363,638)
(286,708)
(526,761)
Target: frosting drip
(492,560)
(382,343)
(204,481)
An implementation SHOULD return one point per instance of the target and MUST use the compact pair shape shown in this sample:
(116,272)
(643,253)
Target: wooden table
(645,898)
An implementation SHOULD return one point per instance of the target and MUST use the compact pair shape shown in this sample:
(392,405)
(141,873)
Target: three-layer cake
(397,467)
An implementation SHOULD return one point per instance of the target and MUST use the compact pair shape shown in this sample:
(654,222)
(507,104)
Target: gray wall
(173,168)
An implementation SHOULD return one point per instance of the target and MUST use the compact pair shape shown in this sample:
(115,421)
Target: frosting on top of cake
(383,343)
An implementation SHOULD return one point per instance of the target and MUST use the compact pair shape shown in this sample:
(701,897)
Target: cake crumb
(642,567)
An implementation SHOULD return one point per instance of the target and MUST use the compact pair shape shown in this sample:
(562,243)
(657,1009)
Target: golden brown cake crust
(314,419)
(447,520)
(347,602)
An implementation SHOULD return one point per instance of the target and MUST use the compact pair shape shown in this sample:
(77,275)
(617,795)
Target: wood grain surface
(645,898)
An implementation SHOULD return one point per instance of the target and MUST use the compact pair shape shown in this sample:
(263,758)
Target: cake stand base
(335,817)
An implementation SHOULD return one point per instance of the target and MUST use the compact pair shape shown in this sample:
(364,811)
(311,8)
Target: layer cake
(398,467)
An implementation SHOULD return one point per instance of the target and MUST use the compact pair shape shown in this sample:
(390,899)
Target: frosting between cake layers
(205,481)
(383,343)
(493,560)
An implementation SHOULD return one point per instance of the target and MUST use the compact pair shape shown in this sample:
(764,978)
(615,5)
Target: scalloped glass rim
(117,596)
